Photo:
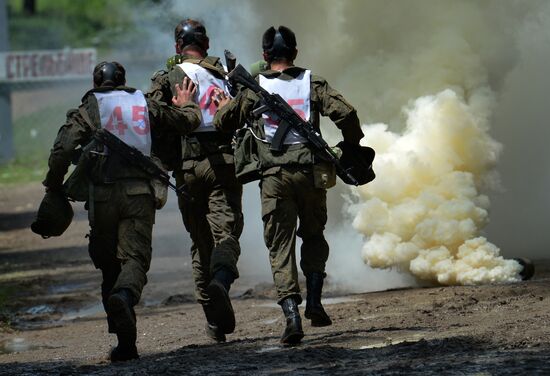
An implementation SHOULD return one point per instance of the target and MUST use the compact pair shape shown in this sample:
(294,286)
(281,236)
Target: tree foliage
(71,23)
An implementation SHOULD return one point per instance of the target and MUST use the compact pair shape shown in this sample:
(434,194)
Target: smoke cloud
(425,212)
(436,83)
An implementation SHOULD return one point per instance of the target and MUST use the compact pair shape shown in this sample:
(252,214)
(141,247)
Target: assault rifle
(136,158)
(289,119)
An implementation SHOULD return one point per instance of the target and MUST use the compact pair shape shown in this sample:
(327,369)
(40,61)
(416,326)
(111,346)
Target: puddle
(40,310)
(19,344)
(270,321)
(270,305)
(66,288)
(268,349)
(390,341)
(83,312)
(16,345)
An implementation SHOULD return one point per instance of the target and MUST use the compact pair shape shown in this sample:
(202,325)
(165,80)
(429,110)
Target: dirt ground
(54,324)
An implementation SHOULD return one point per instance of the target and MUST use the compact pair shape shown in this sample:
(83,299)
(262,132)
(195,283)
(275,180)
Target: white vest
(126,116)
(206,82)
(296,93)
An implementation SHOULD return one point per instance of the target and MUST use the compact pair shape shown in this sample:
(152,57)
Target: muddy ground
(53,323)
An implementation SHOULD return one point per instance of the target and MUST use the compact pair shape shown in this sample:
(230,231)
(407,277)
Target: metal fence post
(6,129)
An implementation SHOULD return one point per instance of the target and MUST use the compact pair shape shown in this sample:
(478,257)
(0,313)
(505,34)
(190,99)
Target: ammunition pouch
(247,163)
(324,175)
(160,189)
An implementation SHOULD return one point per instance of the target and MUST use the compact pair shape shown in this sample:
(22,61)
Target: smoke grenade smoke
(433,80)
(425,211)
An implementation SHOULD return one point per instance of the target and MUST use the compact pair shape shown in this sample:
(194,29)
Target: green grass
(34,135)
(14,173)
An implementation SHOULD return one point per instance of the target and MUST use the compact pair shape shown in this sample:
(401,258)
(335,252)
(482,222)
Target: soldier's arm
(160,87)
(72,134)
(333,105)
(234,114)
(176,75)
(182,120)
(182,115)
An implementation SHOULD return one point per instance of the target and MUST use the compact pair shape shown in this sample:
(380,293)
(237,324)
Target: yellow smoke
(447,63)
(425,210)
(444,62)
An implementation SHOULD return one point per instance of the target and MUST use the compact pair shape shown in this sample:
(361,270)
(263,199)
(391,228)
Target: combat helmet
(279,43)
(191,32)
(54,215)
(109,74)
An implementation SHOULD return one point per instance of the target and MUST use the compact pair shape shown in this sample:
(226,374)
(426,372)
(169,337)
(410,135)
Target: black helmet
(190,32)
(279,43)
(54,215)
(109,74)
(357,160)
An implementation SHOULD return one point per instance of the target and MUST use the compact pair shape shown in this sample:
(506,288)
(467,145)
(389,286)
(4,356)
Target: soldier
(119,197)
(290,183)
(204,163)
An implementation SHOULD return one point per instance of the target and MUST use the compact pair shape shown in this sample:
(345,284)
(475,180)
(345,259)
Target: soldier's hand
(219,98)
(185,93)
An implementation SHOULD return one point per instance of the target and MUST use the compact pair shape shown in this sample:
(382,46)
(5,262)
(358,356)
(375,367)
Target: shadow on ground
(16,221)
(425,357)
(44,257)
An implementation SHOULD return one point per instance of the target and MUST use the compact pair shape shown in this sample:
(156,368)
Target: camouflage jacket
(325,101)
(77,133)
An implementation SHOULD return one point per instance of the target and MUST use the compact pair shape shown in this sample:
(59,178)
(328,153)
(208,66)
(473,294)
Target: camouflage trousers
(288,194)
(213,219)
(121,218)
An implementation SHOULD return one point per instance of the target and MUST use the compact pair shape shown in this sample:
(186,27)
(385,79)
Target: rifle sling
(91,206)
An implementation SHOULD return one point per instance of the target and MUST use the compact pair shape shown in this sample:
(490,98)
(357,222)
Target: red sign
(19,66)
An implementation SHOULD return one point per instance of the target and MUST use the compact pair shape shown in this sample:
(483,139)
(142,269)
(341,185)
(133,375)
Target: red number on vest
(206,102)
(138,116)
(116,121)
(294,103)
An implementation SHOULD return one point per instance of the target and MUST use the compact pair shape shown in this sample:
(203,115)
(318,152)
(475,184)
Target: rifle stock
(136,158)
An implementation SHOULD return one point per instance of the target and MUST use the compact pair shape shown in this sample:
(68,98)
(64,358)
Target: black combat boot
(126,348)
(219,308)
(122,316)
(121,312)
(212,329)
(293,333)
(314,309)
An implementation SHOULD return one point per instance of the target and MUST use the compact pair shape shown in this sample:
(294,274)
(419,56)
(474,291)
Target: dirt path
(58,326)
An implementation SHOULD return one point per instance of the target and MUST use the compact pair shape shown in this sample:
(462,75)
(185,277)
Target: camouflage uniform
(121,206)
(288,189)
(204,163)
